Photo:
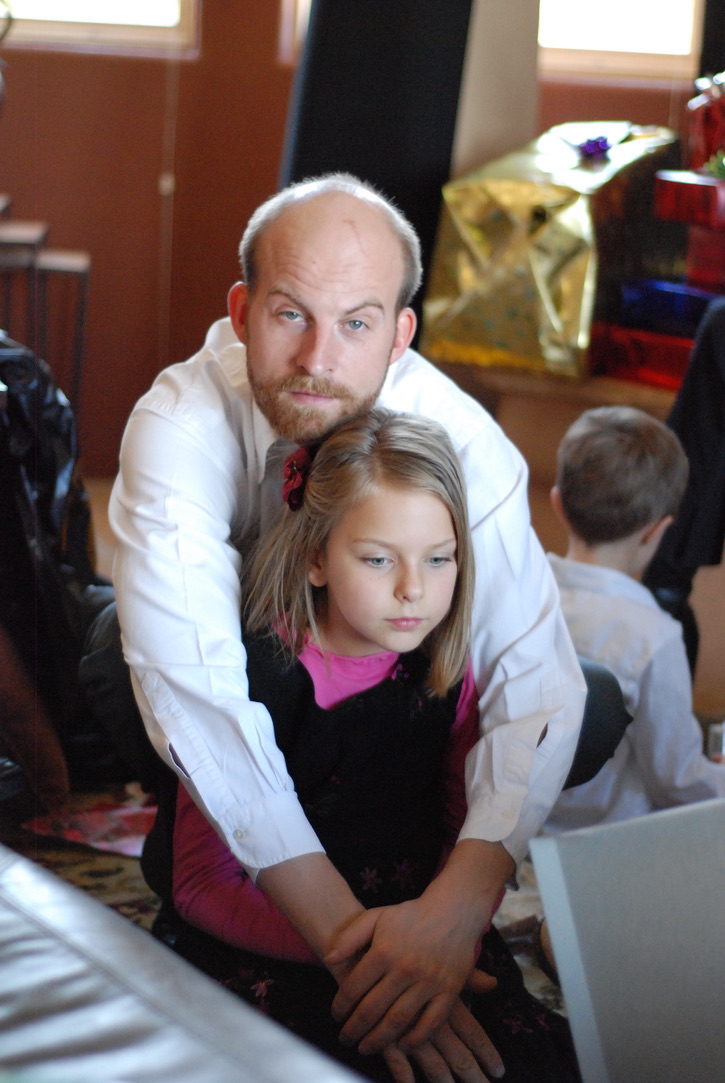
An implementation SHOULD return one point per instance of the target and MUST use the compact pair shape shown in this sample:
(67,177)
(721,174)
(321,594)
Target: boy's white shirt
(615,620)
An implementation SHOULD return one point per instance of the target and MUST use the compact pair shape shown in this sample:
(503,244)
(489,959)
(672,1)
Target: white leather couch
(87,997)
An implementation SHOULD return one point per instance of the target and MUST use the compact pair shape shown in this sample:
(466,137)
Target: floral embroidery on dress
(257,982)
(515,1022)
(260,990)
(404,875)
(370,880)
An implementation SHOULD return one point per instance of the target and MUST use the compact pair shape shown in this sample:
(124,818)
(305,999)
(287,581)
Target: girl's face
(390,571)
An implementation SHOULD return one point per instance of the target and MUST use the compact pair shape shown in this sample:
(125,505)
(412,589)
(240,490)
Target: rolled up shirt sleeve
(174,510)
(526,669)
(533,689)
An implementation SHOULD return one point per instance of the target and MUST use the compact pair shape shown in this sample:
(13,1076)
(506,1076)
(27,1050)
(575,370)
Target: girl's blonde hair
(376,449)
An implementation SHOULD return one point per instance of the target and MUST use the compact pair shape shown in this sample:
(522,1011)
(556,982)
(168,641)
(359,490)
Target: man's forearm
(474,876)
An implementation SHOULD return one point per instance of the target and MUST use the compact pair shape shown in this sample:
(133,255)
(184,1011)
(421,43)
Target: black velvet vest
(367,772)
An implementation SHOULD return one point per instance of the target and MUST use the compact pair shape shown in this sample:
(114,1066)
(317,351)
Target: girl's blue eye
(376,562)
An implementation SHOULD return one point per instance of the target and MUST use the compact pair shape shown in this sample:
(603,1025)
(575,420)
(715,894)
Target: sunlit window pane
(111,12)
(633,26)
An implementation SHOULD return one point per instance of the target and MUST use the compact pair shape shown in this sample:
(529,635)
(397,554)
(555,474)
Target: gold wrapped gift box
(533,246)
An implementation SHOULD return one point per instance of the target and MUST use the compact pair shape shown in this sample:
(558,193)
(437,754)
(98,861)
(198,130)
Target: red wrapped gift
(686,196)
(706,120)
(705,261)
(645,357)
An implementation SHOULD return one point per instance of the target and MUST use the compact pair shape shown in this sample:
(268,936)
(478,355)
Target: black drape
(376,94)
(712,57)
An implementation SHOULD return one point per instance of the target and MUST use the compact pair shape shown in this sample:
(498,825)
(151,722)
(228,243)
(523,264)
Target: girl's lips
(406,624)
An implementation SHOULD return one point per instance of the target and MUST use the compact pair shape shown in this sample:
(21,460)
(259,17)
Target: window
(657,39)
(293,19)
(139,26)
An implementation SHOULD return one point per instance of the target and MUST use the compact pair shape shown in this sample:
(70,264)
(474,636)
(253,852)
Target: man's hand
(458,1052)
(421,953)
(404,987)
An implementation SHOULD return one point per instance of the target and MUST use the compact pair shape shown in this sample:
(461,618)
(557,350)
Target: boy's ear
(316,572)
(555,498)
(652,533)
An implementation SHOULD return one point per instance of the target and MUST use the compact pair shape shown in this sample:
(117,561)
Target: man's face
(320,326)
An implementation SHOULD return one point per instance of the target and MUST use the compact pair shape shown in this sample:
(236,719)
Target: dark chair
(605,719)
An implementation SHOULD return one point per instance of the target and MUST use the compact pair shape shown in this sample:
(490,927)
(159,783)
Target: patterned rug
(113,878)
(116,818)
(521,904)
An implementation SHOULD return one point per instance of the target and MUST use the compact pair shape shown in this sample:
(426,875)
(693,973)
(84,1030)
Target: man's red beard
(304,424)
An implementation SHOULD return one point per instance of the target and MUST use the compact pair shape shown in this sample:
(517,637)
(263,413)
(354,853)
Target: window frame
(293,18)
(183,39)
(606,65)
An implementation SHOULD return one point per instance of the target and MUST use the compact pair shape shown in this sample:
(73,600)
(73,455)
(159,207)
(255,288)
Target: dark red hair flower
(296,469)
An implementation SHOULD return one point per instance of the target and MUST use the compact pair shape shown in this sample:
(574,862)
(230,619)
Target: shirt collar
(270,448)
(576,575)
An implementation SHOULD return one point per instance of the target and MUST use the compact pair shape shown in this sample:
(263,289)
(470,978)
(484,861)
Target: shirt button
(239,834)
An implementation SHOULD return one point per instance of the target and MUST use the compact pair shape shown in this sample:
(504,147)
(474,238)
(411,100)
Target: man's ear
(237,305)
(316,573)
(405,326)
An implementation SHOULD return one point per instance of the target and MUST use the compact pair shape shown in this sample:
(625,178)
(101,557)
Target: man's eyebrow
(280,291)
(365,304)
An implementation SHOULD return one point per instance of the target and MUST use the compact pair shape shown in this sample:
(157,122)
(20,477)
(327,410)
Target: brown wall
(84,140)
(561,100)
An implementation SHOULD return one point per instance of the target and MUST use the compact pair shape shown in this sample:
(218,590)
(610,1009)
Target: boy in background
(621,476)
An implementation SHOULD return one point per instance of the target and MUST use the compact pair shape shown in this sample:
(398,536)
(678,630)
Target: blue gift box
(670,308)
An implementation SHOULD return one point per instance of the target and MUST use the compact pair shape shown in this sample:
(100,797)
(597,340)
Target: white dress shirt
(200,476)
(659,763)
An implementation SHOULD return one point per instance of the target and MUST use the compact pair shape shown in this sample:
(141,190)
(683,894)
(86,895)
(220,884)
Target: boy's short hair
(618,470)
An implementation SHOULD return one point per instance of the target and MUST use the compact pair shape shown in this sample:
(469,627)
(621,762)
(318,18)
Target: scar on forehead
(358,234)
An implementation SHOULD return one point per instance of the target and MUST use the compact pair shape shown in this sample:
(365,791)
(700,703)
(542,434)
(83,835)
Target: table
(491,385)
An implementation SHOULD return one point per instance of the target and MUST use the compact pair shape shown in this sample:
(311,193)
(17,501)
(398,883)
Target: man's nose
(317,352)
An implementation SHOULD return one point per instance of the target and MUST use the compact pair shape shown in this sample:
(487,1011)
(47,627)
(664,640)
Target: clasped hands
(400,971)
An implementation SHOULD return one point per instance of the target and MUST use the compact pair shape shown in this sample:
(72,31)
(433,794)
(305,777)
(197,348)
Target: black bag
(49,590)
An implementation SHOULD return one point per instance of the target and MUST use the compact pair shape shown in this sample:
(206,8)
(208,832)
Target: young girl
(356,633)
